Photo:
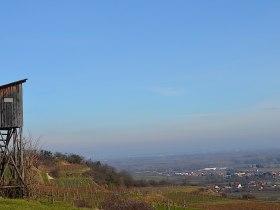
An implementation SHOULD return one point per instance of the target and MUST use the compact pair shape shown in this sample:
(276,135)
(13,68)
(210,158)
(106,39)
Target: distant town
(234,175)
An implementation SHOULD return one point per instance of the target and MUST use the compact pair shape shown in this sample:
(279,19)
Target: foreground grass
(20,204)
(161,198)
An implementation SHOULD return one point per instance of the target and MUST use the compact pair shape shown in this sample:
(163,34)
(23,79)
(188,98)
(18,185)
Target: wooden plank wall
(11,115)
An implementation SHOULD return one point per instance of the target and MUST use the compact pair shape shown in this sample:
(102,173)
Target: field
(78,190)
(71,187)
(160,198)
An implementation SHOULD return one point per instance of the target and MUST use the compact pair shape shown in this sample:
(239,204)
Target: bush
(248,196)
(74,158)
(56,173)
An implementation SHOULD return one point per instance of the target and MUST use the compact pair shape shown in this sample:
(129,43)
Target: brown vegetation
(242,205)
(90,184)
(118,203)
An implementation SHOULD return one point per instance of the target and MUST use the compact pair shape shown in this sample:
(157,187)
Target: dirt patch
(49,177)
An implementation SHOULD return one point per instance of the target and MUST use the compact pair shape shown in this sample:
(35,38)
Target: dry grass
(239,205)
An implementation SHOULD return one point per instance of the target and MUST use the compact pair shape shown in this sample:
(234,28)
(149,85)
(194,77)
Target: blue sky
(119,78)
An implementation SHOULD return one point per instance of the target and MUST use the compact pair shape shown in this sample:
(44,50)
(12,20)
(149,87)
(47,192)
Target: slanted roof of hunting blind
(11,111)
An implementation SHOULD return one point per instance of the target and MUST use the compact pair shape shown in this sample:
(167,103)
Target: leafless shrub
(31,164)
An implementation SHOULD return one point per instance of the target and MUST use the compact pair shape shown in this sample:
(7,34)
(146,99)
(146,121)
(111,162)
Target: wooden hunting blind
(11,145)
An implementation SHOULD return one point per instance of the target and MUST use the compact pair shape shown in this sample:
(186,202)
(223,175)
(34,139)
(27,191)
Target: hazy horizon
(121,78)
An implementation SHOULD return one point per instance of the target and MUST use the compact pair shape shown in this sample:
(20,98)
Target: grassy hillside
(64,183)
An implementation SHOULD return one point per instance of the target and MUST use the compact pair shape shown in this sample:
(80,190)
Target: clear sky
(121,77)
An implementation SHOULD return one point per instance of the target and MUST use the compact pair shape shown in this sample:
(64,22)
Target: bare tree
(31,164)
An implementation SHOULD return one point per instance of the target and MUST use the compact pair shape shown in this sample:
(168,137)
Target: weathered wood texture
(11,108)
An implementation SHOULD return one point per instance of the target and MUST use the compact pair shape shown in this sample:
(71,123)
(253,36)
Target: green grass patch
(192,198)
(17,204)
